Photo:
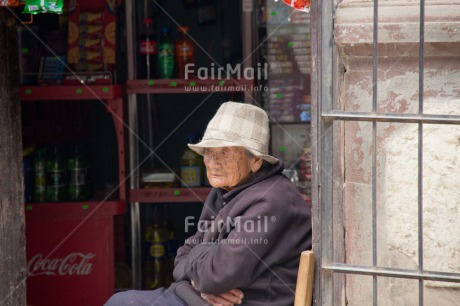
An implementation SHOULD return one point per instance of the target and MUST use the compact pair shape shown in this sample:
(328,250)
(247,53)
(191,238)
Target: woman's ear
(256,164)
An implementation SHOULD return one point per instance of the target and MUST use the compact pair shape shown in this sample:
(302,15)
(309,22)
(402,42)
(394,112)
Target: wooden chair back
(305,276)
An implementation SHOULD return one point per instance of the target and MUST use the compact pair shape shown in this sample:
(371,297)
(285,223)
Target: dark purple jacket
(248,238)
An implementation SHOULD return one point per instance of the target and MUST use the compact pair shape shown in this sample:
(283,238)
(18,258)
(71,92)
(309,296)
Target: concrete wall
(397,155)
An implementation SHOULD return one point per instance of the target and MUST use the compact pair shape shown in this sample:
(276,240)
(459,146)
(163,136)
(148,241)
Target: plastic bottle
(191,166)
(77,167)
(40,176)
(148,50)
(305,165)
(157,252)
(165,54)
(185,52)
(173,243)
(56,188)
(305,172)
(28,173)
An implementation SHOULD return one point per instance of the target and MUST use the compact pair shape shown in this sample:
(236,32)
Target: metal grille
(330,119)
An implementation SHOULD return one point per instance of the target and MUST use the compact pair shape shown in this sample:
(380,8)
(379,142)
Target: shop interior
(105,128)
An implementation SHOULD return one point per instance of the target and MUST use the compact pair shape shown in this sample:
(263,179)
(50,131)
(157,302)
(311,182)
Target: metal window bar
(392,117)
(133,150)
(420,153)
(374,150)
(323,118)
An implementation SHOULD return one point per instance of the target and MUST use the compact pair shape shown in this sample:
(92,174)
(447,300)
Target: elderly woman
(253,226)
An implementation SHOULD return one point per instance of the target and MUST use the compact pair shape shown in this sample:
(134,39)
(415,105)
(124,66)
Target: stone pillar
(397,156)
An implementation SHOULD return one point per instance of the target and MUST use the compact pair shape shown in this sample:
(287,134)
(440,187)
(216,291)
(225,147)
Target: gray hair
(249,154)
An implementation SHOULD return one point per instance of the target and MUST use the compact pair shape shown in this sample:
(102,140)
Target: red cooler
(70,252)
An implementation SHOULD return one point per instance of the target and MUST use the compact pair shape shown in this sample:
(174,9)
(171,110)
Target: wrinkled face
(228,167)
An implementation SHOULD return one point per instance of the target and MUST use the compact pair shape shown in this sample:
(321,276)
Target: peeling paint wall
(397,155)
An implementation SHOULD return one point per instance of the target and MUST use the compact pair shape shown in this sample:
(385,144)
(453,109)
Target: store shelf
(174,86)
(171,195)
(111,94)
(74,92)
(87,208)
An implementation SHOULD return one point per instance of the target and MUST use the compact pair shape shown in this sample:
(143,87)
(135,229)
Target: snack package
(43,6)
(11,3)
(91,18)
(91,56)
(92,38)
(92,30)
(301,5)
(92,44)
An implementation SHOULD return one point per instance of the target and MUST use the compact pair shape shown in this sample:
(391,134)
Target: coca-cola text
(72,264)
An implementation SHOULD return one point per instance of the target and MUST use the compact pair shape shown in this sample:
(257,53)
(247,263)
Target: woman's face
(228,167)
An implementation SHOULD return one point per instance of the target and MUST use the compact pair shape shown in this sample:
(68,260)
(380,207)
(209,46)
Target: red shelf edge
(170,86)
(71,92)
(169,195)
(81,208)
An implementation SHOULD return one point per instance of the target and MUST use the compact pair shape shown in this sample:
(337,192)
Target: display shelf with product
(72,96)
(40,98)
(285,39)
(81,231)
(78,222)
(164,109)
(83,238)
(288,51)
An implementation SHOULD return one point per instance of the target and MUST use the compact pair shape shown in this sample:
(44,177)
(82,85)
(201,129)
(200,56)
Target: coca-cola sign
(73,264)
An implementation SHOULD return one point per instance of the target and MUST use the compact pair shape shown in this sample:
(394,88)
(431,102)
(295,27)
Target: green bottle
(28,167)
(40,176)
(173,243)
(56,179)
(165,54)
(157,252)
(77,167)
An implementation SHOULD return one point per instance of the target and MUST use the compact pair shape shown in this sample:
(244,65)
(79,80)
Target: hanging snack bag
(10,3)
(301,5)
(33,7)
(43,6)
(54,6)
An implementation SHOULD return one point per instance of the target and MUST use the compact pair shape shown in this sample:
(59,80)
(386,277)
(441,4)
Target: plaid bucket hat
(238,125)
